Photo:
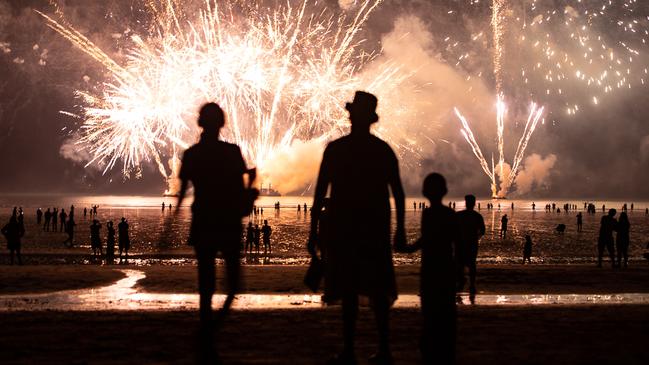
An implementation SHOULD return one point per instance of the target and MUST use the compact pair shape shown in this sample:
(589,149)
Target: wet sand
(287,279)
(487,335)
(492,279)
(42,279)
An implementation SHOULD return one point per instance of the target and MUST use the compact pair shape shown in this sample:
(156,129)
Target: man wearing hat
(361,170)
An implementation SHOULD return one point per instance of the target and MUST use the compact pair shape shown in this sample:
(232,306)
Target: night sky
(602,152)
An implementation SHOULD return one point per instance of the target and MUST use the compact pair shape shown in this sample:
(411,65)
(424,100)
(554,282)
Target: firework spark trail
(475,147)
(533,119)
(279,74)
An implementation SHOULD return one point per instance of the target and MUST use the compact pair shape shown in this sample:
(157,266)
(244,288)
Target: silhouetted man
(503,226)
(13,232)
(250,237)
(55,218)
(63,217)
(48,217)
(266,231)
(580,222)
(215,169)
(605,239)
(361,169)
(439,233)
(39,216)
(95,238)
(123,239)
(472,228)
(69,229)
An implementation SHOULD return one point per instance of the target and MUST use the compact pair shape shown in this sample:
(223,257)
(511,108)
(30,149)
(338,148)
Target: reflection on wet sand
(122,295)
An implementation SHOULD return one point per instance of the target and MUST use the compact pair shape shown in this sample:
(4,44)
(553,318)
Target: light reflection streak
(124,296)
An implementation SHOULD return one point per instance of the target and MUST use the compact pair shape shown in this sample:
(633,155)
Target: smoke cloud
(293,168)
(535,173)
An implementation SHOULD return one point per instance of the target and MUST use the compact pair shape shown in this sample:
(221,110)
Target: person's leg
(350,313)
(233,274)
(611,251)
(472,275)
(20,261)
(600,253)
(381,307)
(11,256)
(206,281)
(625,254)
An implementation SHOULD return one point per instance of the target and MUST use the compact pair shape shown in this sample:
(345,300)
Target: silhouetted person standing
(39,216)
(95,238)
(110,243)
(250,237)
(503,226)
(55,218)
(440,232)
(123,240)
(605,239)
(215,169)
(472,228)
(622,239)
(85,212)
(580,222)
(13,232)
(527,249)
(48,217)
(63,217)
(69,229)
(266,231)
(257,238)
(361,169)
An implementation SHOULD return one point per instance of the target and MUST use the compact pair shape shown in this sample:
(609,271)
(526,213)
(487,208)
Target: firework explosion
(549,36)
(280,75)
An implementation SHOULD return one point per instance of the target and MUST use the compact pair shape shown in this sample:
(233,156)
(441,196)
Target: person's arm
(483,229)
(399,202)
(321,187)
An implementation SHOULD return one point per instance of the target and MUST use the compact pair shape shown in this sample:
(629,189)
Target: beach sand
(486,335)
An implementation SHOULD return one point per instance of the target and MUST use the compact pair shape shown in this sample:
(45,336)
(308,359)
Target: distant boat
(268,191)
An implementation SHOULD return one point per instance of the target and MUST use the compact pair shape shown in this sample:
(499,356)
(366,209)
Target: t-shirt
(216,170)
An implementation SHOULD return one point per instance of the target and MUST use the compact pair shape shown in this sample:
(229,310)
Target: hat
(364,102)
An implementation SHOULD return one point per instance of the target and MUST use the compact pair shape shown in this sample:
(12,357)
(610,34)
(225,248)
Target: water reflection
(122,295)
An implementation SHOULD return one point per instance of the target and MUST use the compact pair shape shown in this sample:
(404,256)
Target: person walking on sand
(472,228)
(440,236)
(266,231)
(622,239)
(527,249)
(95,238)
(123,240)
(580,222)
(13,232)
(361,170)
(605,240)
(216,169)
(69,229)
(110,243)
(503,227)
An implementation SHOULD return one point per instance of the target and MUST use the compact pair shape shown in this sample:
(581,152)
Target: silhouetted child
(527,249)
(439,237)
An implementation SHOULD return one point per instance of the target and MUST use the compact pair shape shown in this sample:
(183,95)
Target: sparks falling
(499,172)
(281,75)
